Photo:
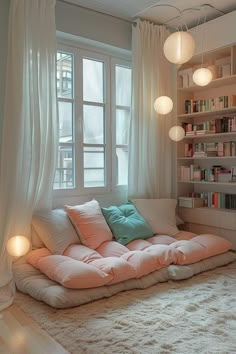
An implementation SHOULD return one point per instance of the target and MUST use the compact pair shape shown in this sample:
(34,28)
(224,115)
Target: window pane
(65,122)
(64,177)
(64,75)
(93,124)
(122,126)
(94,158)
(93,81)
(94,178)
(122,165)
(123,86)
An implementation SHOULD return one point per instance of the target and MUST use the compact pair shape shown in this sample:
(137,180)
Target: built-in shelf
(208,182)
(223,81)
(208,113)
(207,158)
(216,135)
(213,209)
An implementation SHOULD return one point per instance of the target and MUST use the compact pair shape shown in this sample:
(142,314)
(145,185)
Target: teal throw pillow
(126,223)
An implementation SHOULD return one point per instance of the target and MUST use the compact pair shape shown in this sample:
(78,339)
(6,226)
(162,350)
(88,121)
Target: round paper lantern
(179,47)
(17,246)
(163,105)
(176,133)
(202,76)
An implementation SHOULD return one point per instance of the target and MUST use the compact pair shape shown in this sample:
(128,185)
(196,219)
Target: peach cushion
(71,273)
(184,235)
(82,253)
(118,268)
(164,254)
(161,240)
(34,256)
(189,252)
(112,249)
(143,263)
(213,244)
(89,223)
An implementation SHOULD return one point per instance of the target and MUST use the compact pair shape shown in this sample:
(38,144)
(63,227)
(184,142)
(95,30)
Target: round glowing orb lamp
(179,47)
(176,133)
(163,105)
(202,76)
(17,246)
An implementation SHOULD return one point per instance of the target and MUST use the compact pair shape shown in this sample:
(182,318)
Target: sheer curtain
(29,144)
(152,154)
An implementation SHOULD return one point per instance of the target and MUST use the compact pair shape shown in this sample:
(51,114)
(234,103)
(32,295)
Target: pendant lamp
(176,133)
(163,105)
(179,47)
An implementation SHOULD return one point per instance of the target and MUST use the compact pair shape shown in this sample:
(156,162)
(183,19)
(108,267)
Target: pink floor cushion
(138,245)
(112,249)
(189,252)
(73,274)
(33,257)
(161,239)
(118,268)
(164,254)
(213,244)
(82,253)
(143,262)
(184,235)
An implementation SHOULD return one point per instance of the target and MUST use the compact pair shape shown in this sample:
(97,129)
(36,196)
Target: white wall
(4,9)
(93,25)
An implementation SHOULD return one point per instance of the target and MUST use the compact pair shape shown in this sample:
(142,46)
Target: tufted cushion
(126,223)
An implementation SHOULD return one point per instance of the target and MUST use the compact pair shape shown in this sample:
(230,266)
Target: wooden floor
(21,335)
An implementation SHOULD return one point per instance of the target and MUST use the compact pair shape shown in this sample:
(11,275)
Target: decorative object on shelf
(179,47)
(163,105)
(176,133)
(18,246)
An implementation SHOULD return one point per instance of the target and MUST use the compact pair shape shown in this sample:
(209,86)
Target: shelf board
(213,209)
(208,113)
(208,182)
(204,136)
(207,158)
(223,81)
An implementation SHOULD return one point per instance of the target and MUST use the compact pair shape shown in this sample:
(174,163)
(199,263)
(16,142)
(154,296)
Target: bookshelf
(207,154)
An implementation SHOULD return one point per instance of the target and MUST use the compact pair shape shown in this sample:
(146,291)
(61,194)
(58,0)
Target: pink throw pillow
(89,223)
(73,274)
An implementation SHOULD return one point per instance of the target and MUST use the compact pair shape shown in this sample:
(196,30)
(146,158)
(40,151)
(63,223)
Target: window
(94,98)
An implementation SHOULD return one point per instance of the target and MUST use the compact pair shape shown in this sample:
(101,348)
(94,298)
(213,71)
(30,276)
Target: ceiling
(146,9)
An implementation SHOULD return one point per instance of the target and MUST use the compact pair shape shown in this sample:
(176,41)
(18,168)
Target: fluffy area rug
(197,315)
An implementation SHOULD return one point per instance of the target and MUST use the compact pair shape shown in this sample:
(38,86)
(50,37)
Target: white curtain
(29,144)
(152,154)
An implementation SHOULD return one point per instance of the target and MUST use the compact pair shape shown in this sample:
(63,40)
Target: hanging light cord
(180,12)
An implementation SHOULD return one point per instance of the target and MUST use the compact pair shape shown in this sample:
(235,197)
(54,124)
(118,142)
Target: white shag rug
(197,315)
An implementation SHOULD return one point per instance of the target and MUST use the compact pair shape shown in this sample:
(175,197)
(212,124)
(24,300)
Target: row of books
(215,149)
(216,200)
(217,103)
(214,126)
(214,174)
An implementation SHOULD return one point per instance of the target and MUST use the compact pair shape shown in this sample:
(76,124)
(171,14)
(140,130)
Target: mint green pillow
(126,223)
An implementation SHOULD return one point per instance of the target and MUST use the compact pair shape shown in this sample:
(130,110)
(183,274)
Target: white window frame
(110,120)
